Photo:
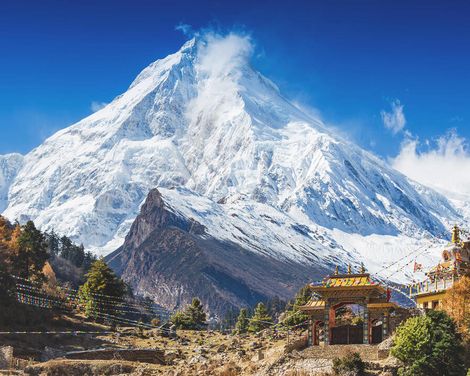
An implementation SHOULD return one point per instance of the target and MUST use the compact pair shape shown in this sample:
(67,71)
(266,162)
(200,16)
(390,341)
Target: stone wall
(367,352)
(133,355)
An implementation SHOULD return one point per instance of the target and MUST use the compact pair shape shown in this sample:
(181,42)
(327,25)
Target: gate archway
(348,324)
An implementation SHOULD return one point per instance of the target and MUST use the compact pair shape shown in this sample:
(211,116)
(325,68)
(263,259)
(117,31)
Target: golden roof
(313,305)
(348,280)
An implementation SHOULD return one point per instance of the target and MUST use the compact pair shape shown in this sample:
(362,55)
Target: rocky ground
(190,353)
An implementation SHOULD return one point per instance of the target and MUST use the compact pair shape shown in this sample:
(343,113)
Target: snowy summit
(227,149)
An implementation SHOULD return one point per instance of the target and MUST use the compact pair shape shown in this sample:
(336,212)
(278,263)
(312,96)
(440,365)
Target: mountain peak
(203,120)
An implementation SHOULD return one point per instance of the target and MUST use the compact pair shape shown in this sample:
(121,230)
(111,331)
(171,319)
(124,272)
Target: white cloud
(394,120)
(443,165)
(185,29)
(219,55)
(96,106)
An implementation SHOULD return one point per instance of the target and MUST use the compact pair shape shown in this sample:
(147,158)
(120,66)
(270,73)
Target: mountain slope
(10,164)
(227,150)
(169,256)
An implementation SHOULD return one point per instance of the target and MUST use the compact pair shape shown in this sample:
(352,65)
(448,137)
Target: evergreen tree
(53,243)
(429,345)
(31,253)
(196,313)
(100,280)
(261,319)
(88,261)
(193,317)
(242,322)
(65,247)
(294,316)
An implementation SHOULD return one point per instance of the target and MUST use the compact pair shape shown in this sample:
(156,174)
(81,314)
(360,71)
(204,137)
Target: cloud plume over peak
(223,54)
(444,165)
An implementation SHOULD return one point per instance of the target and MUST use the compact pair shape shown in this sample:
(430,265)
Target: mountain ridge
(205,128)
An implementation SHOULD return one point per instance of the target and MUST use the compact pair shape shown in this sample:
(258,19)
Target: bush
(350,365)
(429,345)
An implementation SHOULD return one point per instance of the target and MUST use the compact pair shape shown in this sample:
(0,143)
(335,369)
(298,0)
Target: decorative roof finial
(336,270)
(363,268)
(456,235)
(349,268)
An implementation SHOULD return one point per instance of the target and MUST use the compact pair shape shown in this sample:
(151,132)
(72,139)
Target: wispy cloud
(394,120)
(96,106)
(443,164)
(185,29)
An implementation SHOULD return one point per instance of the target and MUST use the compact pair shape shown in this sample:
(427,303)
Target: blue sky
(351,60)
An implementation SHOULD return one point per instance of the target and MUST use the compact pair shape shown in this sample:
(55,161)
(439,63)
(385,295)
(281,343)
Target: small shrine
(455,263)
(348,308)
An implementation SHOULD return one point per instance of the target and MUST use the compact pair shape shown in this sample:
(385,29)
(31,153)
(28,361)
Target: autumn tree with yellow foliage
(457,304)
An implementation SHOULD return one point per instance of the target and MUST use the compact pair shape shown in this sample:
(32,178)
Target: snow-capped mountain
(226,149)
(10,164)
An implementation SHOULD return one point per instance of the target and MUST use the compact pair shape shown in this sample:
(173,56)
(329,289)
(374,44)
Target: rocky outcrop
(172,259)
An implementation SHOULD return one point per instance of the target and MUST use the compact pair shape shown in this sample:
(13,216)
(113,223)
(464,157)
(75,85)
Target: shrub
(350,365)
(429,345)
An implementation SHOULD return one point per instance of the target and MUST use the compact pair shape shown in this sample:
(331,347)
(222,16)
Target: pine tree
(100,280)
(31,253)
(53,243)
(193,317)
(242,321)
(196,313)
(294,316)
(65,247)
(88,261)
(260,319)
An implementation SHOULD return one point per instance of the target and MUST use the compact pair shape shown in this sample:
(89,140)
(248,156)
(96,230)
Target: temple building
(454,264)
(349,308)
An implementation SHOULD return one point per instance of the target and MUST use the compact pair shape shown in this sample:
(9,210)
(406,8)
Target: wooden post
(326,328)
(365,339)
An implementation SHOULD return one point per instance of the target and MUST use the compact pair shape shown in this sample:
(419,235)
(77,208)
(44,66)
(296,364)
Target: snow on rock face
(10,164)
(204,121)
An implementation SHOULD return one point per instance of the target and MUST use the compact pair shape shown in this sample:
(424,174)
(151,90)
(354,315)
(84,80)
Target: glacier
(226,148)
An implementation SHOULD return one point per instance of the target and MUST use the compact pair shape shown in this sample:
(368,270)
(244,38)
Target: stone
(200,350)
(6,357)
(255,345)
(51,353)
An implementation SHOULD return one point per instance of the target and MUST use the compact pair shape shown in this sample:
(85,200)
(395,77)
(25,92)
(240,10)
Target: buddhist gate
(348,309)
